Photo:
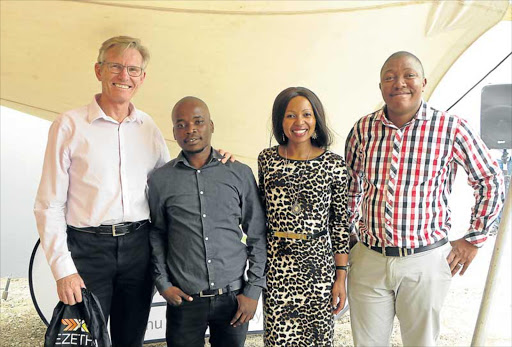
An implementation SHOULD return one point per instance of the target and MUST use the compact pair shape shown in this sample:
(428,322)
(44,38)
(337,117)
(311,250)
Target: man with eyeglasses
(91,207)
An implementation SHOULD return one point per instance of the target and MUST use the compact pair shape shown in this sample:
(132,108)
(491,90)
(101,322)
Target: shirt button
(209,261)
(201,192)
(198,171)
(212,284)
(206,238)
(388,222)
(204,215)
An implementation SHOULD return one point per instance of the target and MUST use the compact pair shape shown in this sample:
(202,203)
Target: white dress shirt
(95,172)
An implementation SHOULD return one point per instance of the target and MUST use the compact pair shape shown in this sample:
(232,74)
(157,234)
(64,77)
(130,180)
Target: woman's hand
(339,292)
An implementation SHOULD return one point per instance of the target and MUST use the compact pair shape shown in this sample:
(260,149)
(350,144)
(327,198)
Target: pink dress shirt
(95,172)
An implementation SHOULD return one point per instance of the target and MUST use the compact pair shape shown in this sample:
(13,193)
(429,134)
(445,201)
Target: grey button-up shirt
(197,218)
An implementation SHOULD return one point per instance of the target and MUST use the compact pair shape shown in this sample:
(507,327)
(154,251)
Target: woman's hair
(323,134)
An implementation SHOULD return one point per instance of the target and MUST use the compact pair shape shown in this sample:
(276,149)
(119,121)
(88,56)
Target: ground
(20,325)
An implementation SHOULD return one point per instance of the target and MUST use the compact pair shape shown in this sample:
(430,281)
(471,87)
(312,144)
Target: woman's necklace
(296,207)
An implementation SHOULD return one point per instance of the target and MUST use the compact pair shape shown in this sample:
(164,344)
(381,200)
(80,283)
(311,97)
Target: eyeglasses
(116,68)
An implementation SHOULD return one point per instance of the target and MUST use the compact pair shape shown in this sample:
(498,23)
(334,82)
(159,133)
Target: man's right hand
(175,296)
(69,289)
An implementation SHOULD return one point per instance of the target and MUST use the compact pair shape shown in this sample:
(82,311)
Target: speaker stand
(506,166)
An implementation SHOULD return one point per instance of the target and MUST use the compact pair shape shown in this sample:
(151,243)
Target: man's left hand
(246,310)
(227,156)
(461,256)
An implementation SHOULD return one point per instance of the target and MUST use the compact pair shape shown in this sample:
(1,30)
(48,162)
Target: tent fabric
(235,55)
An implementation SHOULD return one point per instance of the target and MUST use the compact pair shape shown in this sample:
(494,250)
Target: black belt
(233,286)
(112,230)
(287,235)
(403,252)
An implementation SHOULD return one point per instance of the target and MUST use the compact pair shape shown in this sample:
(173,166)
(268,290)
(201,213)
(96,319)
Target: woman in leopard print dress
(303,186)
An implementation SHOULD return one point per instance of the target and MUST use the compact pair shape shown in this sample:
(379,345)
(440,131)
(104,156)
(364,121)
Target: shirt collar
(214,157)
(95,112)
(424,113)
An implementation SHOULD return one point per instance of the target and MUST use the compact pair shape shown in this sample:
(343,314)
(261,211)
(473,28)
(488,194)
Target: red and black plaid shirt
(401,178)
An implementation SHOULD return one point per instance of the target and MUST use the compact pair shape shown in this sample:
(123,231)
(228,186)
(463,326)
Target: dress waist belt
(296,236)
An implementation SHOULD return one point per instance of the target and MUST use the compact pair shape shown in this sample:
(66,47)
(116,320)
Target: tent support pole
(502,243)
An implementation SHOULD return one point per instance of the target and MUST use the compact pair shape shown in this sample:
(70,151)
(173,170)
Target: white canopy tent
(236,55)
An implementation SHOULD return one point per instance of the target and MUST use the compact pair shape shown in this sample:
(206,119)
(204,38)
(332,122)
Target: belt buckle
(114,232)
(219,292)
(404,252)
(288,235)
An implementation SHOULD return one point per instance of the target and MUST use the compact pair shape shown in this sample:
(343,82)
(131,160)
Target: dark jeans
(187,323)
(116,270)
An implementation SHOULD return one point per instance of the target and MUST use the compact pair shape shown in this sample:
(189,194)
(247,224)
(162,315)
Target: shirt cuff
(477,240)
(63,267)
(476,243)
(162,284)
(252,291)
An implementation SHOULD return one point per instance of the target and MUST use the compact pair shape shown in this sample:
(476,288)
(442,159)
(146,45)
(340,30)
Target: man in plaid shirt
(402,161)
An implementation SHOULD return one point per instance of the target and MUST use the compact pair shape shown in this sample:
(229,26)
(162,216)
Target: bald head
(402,83)
(192,102)
(401,54)
(192,127)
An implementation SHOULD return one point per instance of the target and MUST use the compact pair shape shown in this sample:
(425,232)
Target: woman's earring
(314,136)
(284,137)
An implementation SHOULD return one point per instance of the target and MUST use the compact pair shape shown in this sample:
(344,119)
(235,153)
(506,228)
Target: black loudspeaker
(496,116)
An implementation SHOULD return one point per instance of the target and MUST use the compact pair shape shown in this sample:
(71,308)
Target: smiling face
(192,126)
(119,88)
(402,84)
(299,120)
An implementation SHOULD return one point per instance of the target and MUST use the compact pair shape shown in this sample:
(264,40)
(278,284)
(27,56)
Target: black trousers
(116,270)
(187,323)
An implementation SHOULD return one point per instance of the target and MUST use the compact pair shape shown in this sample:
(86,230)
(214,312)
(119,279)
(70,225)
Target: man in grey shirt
(199,208)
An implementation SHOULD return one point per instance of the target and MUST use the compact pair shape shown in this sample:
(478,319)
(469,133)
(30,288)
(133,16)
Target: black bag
(82,324)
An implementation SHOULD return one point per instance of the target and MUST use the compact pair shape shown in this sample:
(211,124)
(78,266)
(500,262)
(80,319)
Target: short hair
(404,54)
(324,134)
(193,99)
(124,42)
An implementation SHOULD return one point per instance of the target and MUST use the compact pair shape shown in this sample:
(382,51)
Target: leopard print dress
(300,273)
